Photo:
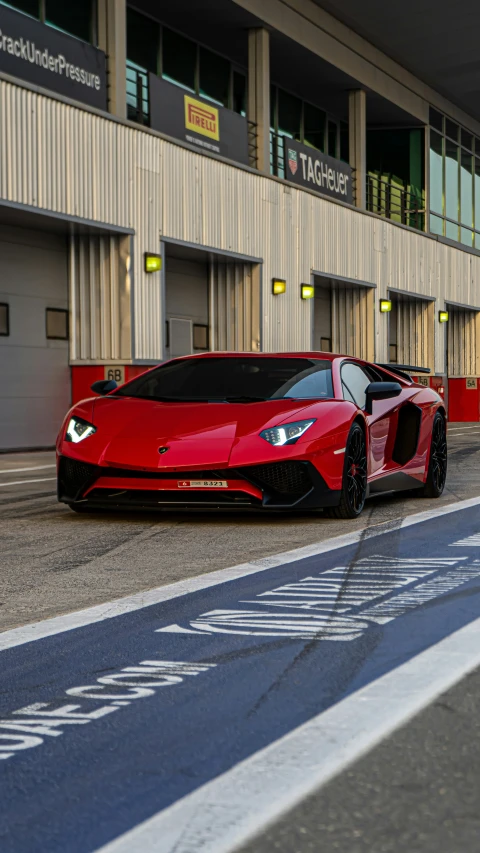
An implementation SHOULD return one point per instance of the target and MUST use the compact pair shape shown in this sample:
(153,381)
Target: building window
(143,55)
(57,324)
(143,41)
(76,18)
(296,119)
(4,319)
(239,100)
(179,60)
(344,142)
(332,139)
(396,175)
(289,115)
(200,336)
(393,353)
(30,7)
(159,50)
(314,127)
(454,181)
(214,82)
(437,191)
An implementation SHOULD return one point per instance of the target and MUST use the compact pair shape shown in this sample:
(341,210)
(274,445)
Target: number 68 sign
(112,371)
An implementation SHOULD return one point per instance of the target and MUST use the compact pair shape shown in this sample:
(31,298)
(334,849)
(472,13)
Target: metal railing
(252,144)
(277,155)
(389,198)
(138,96)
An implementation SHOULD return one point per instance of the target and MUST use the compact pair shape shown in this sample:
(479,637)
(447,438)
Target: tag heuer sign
(292,161)
(317,171)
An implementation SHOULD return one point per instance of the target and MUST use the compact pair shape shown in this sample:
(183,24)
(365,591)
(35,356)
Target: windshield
(234,379)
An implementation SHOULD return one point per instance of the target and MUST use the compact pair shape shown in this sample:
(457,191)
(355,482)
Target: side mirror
(103,386)
(380,391)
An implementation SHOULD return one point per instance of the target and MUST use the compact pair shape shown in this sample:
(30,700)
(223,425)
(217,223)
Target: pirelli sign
(201,118)
(204,125)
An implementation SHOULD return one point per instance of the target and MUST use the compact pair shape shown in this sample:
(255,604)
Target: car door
(355,380)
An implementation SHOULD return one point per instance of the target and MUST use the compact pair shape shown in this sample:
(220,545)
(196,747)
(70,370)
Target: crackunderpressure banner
(46,57)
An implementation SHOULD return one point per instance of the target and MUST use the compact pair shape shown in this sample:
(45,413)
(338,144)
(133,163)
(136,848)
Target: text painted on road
(27,727)
(333,604)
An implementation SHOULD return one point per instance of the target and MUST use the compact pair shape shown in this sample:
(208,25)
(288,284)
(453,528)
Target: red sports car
(283,431)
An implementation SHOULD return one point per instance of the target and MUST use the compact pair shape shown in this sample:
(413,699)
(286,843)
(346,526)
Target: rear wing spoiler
(401,370)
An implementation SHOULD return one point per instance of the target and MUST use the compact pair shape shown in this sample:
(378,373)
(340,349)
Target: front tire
(354,486)
(437,465)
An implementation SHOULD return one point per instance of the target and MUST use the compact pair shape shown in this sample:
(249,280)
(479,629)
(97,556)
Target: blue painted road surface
(103,726)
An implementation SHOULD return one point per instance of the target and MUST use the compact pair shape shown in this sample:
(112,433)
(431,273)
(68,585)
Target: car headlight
(78,429)
(287,433)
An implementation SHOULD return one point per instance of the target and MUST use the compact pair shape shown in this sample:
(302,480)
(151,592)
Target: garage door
(34,371)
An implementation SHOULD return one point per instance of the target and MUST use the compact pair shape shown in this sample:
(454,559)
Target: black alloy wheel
(354,490)
(437,466)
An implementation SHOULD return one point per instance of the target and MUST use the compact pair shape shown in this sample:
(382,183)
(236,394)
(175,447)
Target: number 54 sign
(111,371)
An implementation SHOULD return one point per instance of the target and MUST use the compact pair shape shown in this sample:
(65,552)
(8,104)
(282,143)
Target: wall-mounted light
(385,306)
(307,291)
(443,316)
(153,263)
(278,286)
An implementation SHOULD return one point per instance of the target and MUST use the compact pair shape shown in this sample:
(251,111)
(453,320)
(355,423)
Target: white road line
(240,803)
(21,470)
(111,609)
(21,482)
(464,432)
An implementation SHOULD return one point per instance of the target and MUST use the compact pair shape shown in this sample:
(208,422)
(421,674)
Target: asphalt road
(296,683)
(54,561)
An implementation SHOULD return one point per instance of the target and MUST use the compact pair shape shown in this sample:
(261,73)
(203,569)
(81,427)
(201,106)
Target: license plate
(202,484)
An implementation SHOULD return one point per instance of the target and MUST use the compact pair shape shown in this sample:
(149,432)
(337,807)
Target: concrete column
(259,94)
(357,137)
(112,38)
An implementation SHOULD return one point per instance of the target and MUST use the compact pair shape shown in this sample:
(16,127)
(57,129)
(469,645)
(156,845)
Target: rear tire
(437,464)
(354,486)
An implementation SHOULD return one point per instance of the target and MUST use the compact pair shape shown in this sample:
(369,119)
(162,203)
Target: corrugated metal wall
(461,342)
(100,298)
(411,330)
(58,157)
(344,318)
(352,321)
(234,306)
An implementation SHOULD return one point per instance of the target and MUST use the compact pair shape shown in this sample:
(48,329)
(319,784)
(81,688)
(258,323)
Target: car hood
(131,431)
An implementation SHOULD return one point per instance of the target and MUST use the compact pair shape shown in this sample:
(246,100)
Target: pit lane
(54,561)
(236,690)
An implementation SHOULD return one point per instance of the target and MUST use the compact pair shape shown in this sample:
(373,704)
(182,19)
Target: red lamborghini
(283,431)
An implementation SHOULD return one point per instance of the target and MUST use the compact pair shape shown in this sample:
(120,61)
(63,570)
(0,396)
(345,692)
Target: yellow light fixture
(443,316)
(307,291)
(385,306)
(153,263)
(278,286)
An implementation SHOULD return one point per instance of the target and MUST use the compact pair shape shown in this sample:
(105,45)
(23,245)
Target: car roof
(325,355)
(315,354)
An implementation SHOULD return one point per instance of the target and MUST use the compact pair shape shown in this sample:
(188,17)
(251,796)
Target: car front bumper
(283,485)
